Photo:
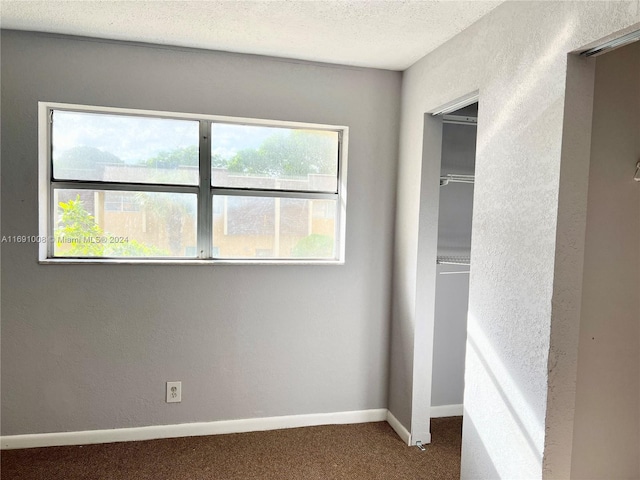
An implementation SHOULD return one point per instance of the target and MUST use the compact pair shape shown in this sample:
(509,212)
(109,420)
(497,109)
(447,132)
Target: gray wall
(450,336)
(455,207)
(90,347)
(516,57)
(452,290)
(606,436)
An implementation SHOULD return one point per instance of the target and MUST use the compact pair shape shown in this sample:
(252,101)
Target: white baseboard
(190,429)
(447,411)
(400,429)
(436,412)
(218,428)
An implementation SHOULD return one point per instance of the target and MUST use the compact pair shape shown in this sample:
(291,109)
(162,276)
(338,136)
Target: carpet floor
(363,451)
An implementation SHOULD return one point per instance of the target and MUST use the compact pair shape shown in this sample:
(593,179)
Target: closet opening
(607,392)
(443,263)
(453,261)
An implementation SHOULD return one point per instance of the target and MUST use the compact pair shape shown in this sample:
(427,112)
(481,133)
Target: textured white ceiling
(381,34)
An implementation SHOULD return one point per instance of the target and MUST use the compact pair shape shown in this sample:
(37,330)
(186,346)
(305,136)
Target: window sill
(131,261)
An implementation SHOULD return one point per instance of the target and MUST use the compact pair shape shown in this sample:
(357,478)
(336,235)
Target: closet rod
(446,260)
(460,120)
(610,45)
(454,178)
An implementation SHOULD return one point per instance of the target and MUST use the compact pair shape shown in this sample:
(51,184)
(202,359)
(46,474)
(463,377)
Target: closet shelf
(455,178)
(448,260)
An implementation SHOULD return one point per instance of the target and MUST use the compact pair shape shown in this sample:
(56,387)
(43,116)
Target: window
(119,184)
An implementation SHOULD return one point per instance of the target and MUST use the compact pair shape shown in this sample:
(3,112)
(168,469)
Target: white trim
(400,429)
(340,234)
(447,411)
(457,104)
(44,174)
(190,429)
(181,261)
(46,185)
(425,282)
(190,116)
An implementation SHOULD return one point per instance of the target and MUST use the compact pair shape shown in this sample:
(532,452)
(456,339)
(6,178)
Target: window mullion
(122,187)
(256,192)
(205,202)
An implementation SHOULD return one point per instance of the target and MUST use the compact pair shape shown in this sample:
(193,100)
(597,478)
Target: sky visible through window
(136,139)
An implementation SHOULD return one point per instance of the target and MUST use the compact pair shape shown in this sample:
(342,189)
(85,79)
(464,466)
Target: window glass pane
(104,223)
(120,148)
(266,227)
(244,156)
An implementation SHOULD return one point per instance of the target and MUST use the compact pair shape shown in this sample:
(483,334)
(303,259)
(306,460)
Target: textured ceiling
(381,34)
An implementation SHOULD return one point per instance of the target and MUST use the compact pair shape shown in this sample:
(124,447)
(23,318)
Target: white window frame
(204,190)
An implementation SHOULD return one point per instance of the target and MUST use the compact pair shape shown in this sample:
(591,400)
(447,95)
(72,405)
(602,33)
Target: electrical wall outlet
(174,392)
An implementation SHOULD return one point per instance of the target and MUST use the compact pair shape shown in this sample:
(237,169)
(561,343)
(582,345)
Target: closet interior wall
(606,436)
(454,243)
